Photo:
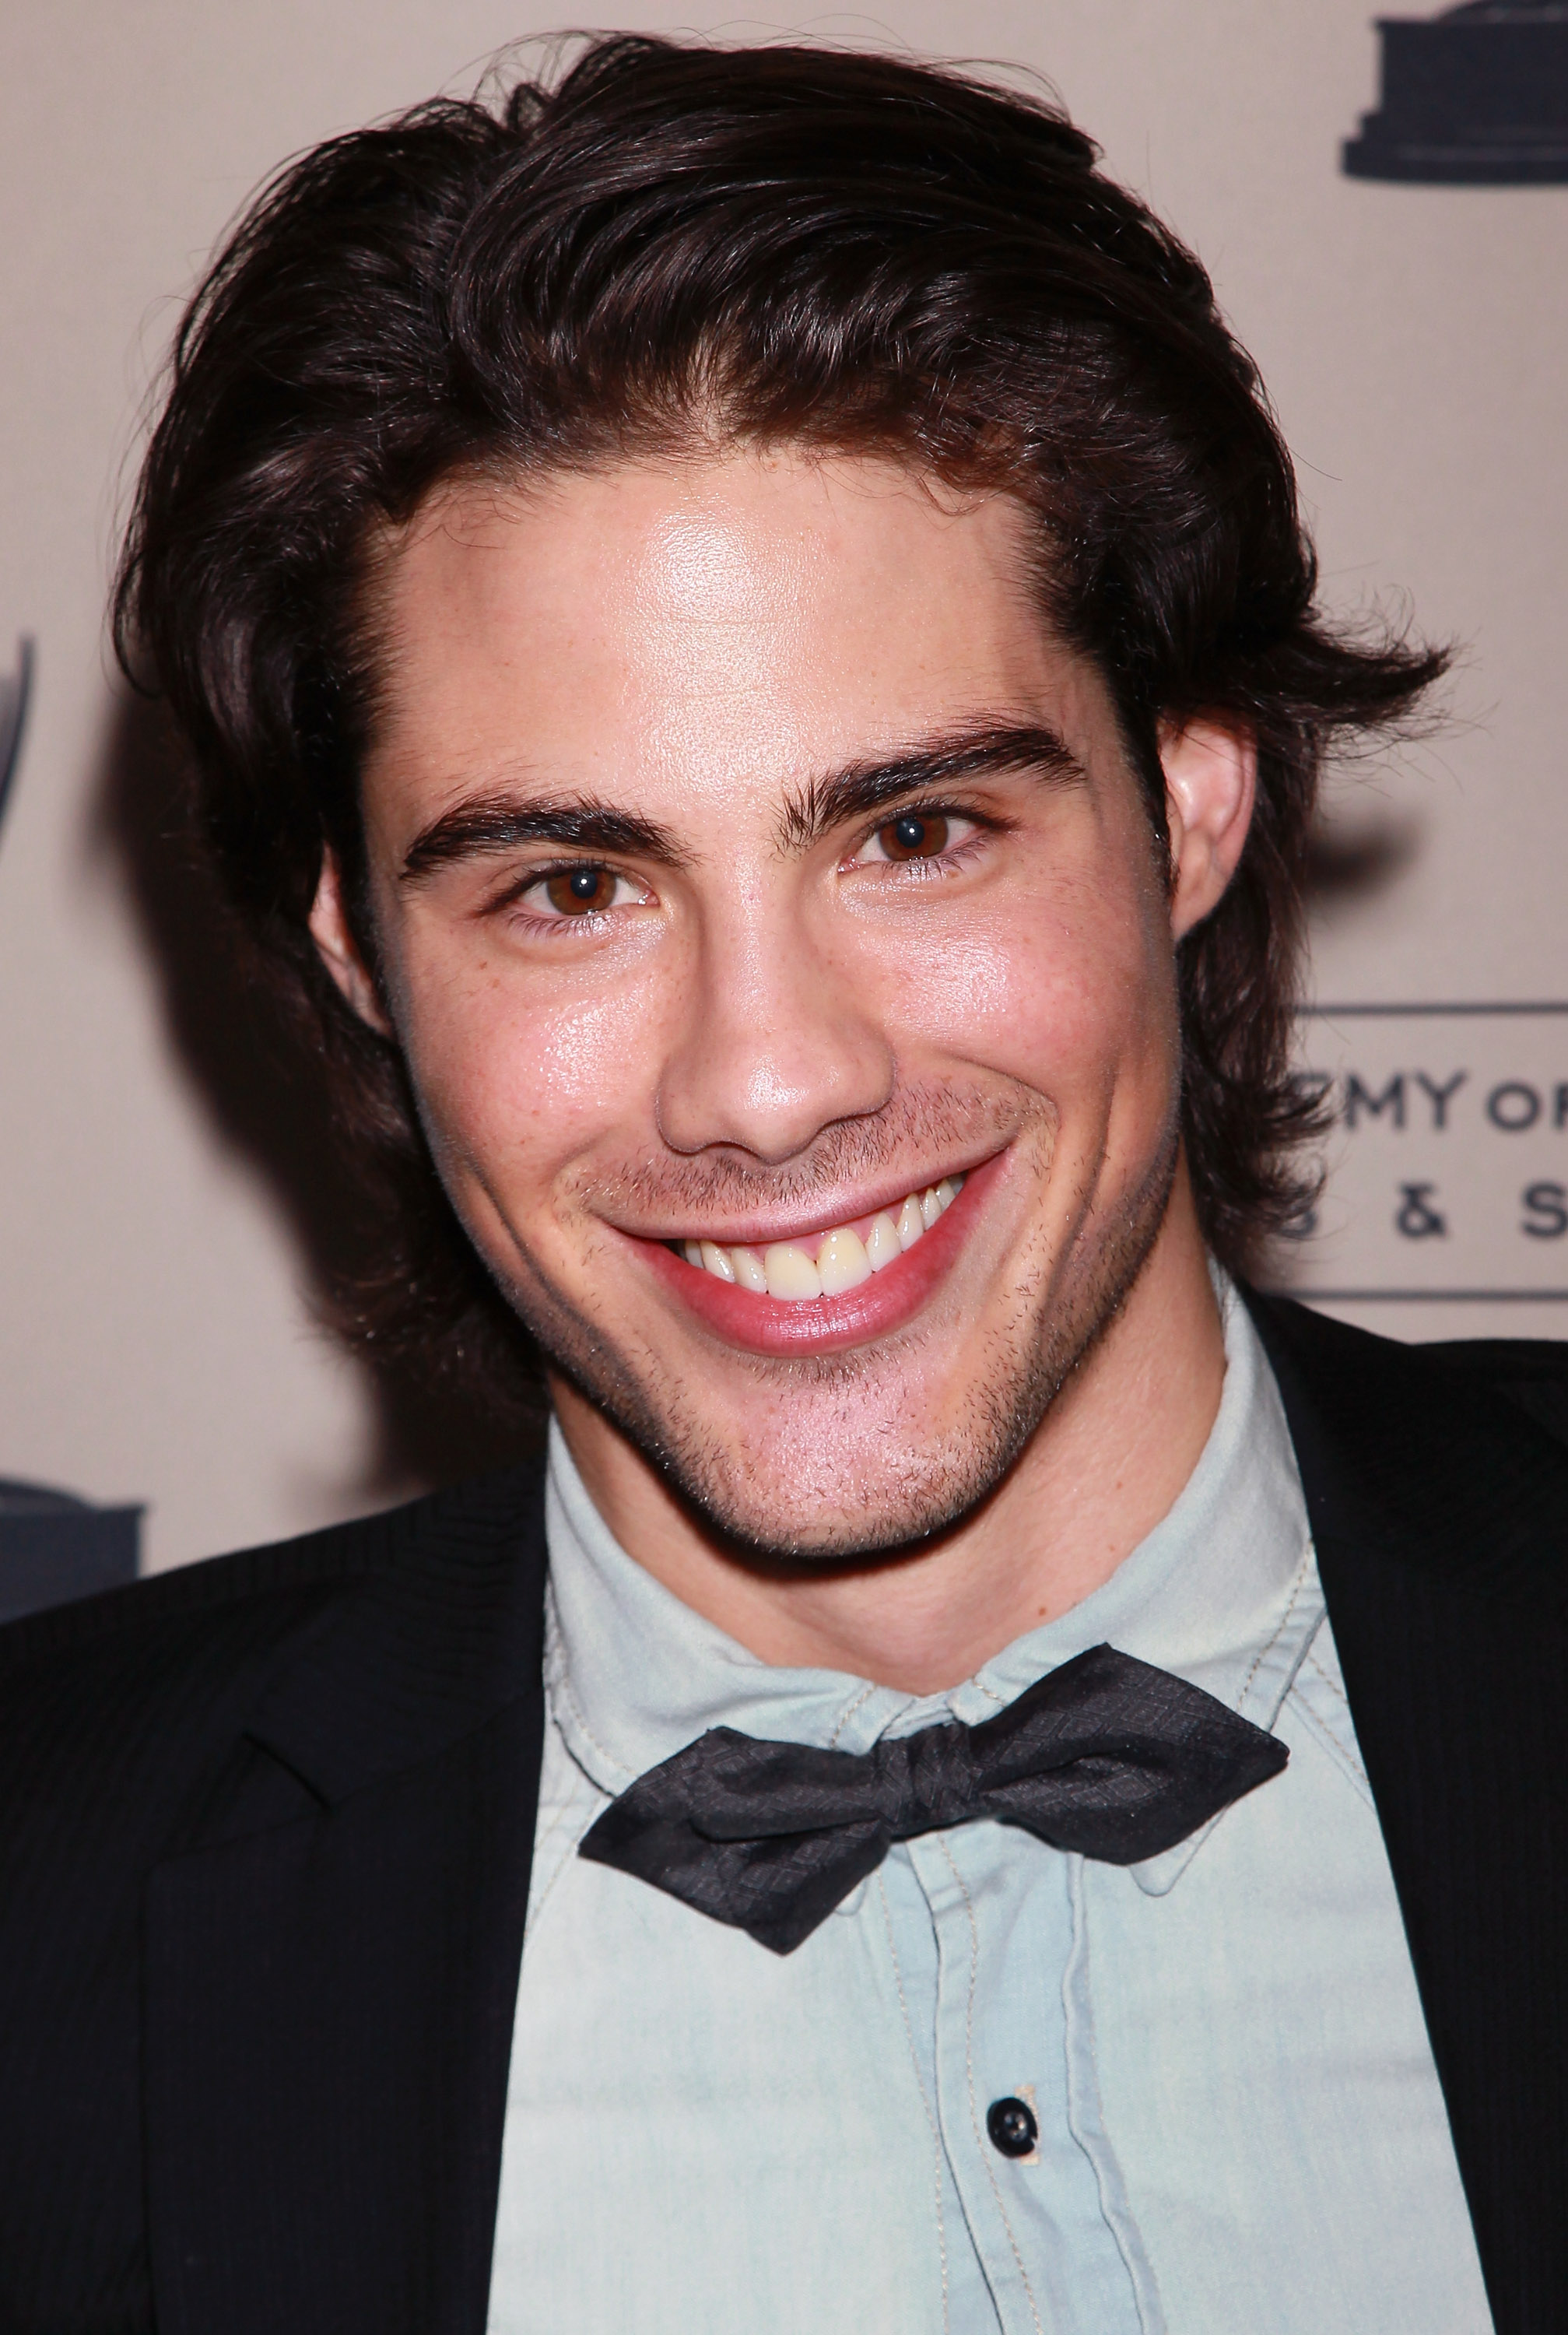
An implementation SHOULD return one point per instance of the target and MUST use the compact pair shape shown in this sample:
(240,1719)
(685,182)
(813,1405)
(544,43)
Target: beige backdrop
(159,1334)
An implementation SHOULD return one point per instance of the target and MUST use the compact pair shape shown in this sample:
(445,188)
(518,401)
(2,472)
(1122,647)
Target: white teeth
(842,1262)
(883,1245)
(749,1271)
(791,1272)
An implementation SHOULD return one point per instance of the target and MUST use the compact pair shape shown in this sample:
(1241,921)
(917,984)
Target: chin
(772,1513)
(836,1464)
(774,1517)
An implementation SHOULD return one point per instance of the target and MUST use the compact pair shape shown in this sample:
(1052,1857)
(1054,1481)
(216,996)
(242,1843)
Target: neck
(1106,1463)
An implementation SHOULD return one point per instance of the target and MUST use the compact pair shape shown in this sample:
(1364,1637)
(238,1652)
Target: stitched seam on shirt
(847,1714)
(1347,1757)
(558,1822)
(1076,1975)
(973,2104)
(565,1682)
(924,2100)
(1297,1586)
(536,1910)
(1335,1689)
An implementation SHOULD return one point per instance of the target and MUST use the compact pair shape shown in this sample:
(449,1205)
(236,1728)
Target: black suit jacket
(266,1828)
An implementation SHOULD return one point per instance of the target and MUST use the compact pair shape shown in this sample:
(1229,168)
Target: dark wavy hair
(783,243)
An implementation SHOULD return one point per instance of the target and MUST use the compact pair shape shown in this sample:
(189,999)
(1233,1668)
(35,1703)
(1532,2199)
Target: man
(750,657)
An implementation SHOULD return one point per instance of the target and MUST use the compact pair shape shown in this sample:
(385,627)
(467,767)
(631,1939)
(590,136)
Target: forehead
(709,623)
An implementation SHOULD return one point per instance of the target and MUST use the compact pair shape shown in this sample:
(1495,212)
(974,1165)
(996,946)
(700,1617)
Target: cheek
(1070,988)
(517,1077)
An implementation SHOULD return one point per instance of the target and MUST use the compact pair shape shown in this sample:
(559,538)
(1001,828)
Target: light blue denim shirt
(1240,2129)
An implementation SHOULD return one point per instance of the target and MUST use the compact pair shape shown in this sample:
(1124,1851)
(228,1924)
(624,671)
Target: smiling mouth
(825,1263)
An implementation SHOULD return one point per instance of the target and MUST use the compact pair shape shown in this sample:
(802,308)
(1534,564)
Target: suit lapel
(333,1957)
(1440,1518)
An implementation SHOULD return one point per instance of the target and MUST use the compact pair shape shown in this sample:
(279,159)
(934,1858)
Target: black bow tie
(1107,1756)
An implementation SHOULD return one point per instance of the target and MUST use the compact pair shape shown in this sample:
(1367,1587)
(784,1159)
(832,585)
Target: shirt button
(1011,2126)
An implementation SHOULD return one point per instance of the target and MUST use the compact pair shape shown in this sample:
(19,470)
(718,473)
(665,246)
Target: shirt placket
(1003,1930)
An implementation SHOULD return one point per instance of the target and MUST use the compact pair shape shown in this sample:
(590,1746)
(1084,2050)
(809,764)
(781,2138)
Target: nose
(778,1042)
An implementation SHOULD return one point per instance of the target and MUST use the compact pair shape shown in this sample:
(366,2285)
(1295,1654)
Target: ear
(1210,780)
(340,953)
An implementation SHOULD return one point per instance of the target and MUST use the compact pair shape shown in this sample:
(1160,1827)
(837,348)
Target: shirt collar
(1224,1591)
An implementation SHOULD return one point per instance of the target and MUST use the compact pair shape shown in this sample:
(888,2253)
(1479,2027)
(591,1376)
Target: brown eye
(581,891)
(916,836)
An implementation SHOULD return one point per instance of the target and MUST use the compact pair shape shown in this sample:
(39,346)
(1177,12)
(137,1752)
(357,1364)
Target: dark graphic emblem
(1476,97)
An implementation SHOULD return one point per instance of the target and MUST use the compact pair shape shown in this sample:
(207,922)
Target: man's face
(747,861)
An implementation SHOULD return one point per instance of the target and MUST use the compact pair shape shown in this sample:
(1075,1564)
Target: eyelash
(511,902)
(940,864)
(953,855)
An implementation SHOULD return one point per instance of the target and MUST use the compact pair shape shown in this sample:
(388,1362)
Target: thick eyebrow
(488,824)
(988,750)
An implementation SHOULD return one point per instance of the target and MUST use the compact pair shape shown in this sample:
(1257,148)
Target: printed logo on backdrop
(1475,96)
(1448,1159)
(53,1546)
(1447,1163)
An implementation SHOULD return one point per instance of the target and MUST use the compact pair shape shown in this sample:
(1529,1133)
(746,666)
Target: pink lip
(774,1325)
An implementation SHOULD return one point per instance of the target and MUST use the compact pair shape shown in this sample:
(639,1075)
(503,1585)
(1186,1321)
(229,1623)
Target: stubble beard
(1062,1317)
